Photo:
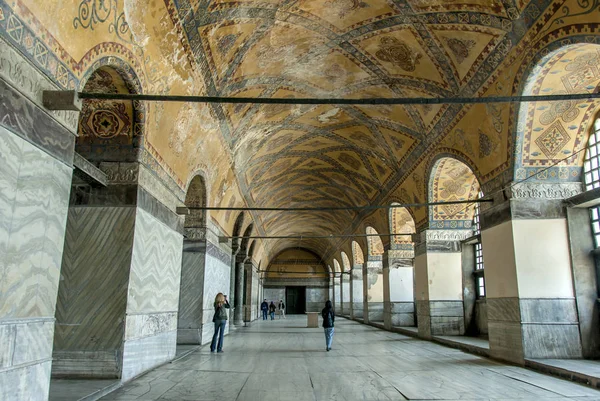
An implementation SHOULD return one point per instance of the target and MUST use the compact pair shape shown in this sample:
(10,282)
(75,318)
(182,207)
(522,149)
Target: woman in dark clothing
(220,320)
(328,319)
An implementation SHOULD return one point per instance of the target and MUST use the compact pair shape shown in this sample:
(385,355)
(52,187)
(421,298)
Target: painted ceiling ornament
(553,140)
(460,48)
(226,42)
(397,52)
(565,109)
(487,145)
(345,7)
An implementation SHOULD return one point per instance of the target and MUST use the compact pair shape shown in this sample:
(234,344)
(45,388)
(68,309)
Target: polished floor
(283,360)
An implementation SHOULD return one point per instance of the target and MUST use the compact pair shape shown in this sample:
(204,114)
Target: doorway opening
(295,298)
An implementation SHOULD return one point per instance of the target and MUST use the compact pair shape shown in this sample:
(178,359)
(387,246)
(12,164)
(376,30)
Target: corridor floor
(283,360)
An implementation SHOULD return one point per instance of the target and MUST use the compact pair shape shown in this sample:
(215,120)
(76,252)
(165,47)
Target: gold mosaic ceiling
(335,155)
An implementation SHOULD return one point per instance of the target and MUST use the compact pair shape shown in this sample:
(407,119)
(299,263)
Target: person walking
(264,307)
(272,309)
(281,307)
(220,320)
(328,319)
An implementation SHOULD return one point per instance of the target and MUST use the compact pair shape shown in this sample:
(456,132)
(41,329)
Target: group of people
(220,320)
(271,308)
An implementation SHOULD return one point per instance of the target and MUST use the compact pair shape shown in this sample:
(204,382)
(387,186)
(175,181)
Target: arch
(345,262)
(195,197)
(547,132)
(451,180)
(111,130)
(401,221)
(237,230)
(336,265)
(245,240)
(358,257)
(374,244)
(251,250)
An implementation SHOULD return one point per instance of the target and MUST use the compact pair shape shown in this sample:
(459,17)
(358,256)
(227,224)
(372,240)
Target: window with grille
(479,275)
(591,175)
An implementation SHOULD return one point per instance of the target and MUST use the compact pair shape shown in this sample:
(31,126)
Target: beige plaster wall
(401,284)
(421,278)
(499,260)
(542,257)
(444,272)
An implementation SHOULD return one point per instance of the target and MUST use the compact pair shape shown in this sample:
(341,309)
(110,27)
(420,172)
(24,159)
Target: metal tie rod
(184,210)
(312,236)
(315,101)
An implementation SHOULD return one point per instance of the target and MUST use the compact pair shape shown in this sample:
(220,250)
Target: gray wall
(92,300)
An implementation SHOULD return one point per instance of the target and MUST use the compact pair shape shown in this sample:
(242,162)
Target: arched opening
(190,318)
(357,301)
(236,243)
(299,277)
(241,273)
(89,336)
(401,268)
(374,277)
(444,270)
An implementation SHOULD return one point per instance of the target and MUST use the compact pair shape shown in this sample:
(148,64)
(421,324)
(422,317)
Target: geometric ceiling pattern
(332,155)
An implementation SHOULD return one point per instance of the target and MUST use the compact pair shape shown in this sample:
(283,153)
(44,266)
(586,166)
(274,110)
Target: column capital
(443,240)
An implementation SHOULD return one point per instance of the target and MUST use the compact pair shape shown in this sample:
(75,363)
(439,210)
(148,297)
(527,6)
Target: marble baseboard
(141,355)
(438,318)
(358,310)
(551,341)
(375,311)
(189,336)
(86,364)
(506,341)
(31,383)
(403,319)
(149,324)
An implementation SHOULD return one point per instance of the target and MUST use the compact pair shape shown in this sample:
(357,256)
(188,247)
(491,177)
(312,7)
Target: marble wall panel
(146,325)
(542,310)
(506,340)
(358,310)
(34,210)
(83,364)
(155,266)
(191,294)
(92,295)
(143,354)
(275,294)
(551,341)
(375,311)
(481,317)
(25,341)
(30,383)
(315,299)
(402,313)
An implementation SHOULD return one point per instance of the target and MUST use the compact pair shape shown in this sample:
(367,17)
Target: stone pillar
(532,312)
(398,286)
(438,275)
(337,297)
(346,294)
(232,287)
(356,292)
(191,293)
(247,304)
(373,284)
(238,314)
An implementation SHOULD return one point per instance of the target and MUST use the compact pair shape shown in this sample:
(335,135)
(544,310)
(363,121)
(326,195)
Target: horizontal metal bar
(340,101)
(314,236)
(321,209)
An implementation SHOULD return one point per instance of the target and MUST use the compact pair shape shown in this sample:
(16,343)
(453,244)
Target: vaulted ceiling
(324,156)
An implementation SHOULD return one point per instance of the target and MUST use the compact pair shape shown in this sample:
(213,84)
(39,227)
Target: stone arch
(237,230)
(345,262)
(358,256)
(111,130)
(451,180)
(246,240)
(374,244)
(195,197)
(546,132)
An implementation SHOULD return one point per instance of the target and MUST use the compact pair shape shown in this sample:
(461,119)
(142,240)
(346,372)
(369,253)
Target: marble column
(346,294)
(532,311)
(356,292)
(248,283)
(238,315)
(191,294)
(398,286)
(232,287)
(438,275)
(337,298)
(373,284)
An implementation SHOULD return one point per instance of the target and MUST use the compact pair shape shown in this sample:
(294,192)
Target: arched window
(479,275)
(591,176)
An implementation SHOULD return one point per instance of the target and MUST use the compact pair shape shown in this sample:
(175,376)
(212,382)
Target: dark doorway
(295,298)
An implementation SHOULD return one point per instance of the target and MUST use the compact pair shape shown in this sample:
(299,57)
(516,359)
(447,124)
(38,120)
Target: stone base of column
(440,318)
(533,328)
(346,308)
(375,310)
(189,336)
(402,314)
(357,310)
